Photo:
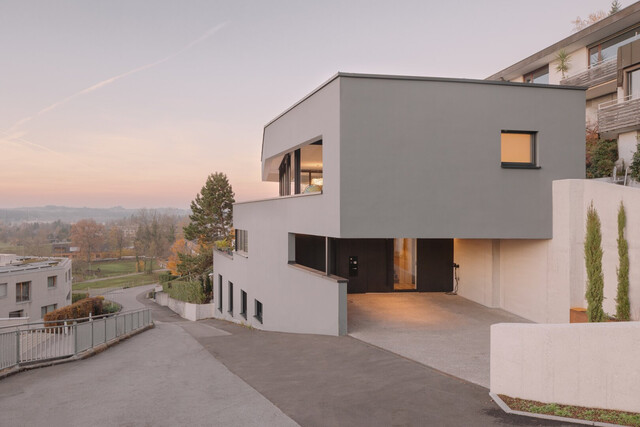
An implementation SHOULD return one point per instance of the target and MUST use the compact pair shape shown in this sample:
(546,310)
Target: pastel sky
(134,103)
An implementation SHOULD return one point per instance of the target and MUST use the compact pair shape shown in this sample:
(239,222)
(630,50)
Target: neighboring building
(31,287)
(605,57)
(386,182)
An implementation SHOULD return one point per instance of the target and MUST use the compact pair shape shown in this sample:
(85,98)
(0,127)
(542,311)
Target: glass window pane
(633,88)
(516,148)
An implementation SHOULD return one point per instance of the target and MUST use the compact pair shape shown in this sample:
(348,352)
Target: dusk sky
(134,103)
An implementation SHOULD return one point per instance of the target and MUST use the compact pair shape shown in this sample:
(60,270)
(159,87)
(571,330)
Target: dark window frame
(220,292)
(531,76)
(19,295)
(534,151)
(243,304)
(55,282)
(230,298)
(258,310)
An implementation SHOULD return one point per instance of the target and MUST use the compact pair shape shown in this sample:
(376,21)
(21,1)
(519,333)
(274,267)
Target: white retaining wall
(186,310)
(584,364)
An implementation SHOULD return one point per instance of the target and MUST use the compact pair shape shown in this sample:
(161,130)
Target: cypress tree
(593,261)
(623,307)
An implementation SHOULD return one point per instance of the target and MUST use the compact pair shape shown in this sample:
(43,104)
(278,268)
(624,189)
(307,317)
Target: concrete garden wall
(186,310)
(582,364)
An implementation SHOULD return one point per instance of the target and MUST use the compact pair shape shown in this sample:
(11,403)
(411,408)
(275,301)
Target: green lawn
(106,269)
(120,282)
(115,268)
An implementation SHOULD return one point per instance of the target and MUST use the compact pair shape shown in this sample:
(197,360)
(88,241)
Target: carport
(445,332)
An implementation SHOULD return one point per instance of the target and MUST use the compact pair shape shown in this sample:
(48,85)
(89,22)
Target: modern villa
(31,286)
(605,57)
(398,184)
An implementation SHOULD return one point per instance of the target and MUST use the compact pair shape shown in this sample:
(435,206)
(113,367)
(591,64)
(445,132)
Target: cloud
(110,80)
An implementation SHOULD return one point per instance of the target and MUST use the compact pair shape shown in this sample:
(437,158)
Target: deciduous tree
(88,236)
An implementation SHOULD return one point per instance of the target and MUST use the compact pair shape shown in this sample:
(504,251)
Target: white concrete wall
(606,199)
(186,310)
(294,299)
(592,365)
(627,143)
(476,272)
(41,295)
(515,275)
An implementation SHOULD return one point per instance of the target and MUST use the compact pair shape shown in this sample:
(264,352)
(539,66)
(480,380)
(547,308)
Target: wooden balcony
(602,73)
(618,116)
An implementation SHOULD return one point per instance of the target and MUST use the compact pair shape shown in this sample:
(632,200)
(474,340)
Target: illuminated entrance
(405,264)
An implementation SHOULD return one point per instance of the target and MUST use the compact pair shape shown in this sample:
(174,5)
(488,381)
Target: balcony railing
(619,116)
(593,76)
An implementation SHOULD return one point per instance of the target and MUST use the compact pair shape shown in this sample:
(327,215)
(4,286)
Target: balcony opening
(300,171)
(310,251)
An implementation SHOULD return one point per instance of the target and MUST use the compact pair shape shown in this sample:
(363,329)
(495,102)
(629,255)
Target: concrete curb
(80,356)
(508,410)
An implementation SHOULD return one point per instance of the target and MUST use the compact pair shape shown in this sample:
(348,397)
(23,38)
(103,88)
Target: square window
(52,281)
(231,298)
(258,314)
(47,308)
(23,291)
(3,290)
(518,149)
(243,304)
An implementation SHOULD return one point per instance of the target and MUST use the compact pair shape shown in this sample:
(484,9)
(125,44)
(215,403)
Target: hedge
(77,310)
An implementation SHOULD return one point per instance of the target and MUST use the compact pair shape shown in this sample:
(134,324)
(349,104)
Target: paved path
(446,332)
(162,377)
(341,381)
(217,373)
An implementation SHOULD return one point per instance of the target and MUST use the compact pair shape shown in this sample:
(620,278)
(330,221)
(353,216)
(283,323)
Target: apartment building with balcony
(30,287)
(605,58)
(387,183)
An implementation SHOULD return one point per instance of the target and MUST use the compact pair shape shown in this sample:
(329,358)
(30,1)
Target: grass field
(100,269)
(120,282)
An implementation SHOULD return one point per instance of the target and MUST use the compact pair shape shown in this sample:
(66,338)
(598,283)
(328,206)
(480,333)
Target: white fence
(37,342)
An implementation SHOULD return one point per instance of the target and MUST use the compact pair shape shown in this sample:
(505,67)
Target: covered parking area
(445,332)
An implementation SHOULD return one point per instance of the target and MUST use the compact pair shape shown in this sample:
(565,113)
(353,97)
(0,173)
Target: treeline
(147,235)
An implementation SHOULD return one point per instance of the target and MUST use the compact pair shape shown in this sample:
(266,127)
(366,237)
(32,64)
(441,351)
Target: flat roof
(610,25)
(421,78)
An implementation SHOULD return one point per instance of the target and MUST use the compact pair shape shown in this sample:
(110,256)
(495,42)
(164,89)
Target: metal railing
(594,75)
(619,115)
(41,341)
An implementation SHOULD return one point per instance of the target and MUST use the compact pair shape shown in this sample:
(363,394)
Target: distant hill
(67,214)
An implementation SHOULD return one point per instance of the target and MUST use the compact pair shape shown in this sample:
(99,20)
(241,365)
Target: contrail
(108,81)
(26,142)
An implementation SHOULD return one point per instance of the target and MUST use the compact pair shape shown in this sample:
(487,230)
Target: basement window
(220,292)
(258,309)
(518,149)
(243,304)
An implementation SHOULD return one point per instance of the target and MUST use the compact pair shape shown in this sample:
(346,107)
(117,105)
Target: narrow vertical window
(230,298)
(258,310)
(243,304)
(219,292)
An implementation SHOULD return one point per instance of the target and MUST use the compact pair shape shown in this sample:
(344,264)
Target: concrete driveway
(445,332)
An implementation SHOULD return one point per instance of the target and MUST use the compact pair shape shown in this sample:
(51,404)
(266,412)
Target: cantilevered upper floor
(399,156)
